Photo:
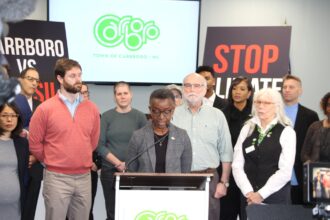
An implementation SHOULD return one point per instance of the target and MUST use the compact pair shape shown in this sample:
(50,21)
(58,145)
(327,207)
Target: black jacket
(22,153)
(305,117)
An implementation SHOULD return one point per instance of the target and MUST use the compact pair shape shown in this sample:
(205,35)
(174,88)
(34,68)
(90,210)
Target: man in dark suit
(29,80)
(301,118)
(211,98)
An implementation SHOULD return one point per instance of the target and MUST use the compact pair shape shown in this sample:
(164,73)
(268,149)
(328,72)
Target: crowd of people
(254,143)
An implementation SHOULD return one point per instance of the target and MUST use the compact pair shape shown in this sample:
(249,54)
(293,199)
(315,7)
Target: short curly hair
(162,93)
(205,69)
(324,102)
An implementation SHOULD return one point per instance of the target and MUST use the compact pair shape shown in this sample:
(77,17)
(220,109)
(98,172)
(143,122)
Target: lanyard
(261,136)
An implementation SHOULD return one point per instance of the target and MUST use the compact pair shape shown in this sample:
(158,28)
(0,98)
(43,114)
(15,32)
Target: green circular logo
(133,33)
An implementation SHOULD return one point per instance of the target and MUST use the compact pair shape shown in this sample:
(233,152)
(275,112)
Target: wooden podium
(141,196)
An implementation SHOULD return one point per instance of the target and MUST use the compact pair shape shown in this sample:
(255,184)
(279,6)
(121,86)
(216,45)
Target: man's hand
(24,134)
(94,167)
(32,160)
(221,191)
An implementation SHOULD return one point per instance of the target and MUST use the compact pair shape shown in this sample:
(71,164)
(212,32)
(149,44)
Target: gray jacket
(178,154)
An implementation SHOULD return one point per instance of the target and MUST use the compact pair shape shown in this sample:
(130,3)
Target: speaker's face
(161,111)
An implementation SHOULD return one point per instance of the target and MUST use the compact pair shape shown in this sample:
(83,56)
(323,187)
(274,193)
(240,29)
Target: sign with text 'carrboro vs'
(259,53)
(36,44)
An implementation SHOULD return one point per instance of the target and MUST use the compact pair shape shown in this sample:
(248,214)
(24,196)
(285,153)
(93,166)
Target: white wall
(309,52)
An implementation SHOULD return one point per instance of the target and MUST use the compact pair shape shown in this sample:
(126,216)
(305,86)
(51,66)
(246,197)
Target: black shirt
(160,149)
(236,119)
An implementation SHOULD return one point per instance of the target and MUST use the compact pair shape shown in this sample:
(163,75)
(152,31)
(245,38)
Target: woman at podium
(160,146)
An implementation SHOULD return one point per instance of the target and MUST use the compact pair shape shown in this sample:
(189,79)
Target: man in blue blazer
(29,80)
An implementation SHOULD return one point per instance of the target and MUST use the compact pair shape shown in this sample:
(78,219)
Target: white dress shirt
(285,164)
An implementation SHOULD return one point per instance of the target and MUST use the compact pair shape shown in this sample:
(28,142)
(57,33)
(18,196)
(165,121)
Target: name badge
(249,149)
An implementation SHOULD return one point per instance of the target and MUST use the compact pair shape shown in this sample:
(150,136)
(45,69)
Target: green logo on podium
(163,215)
(133,33)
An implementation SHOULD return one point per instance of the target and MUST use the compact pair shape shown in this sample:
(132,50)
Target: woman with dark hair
(239,105)
(316,147)
(14,157)
(237,111)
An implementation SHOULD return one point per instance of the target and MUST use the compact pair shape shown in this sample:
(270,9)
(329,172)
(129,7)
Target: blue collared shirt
(71,106)
(291,111)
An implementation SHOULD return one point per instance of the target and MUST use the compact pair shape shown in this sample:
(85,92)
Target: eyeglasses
(263,103)
(177,96)
(84,93)
(32,79)
(192,85)
(158,112)
(7,116)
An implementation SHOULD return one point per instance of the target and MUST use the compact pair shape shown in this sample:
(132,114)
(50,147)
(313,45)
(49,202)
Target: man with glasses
(84,91)
(29,81)
(160,147)
(210,137)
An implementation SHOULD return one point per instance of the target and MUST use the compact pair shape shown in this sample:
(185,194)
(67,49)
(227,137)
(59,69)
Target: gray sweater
(116,131)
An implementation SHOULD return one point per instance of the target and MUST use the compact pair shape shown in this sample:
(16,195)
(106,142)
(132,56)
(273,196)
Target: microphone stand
(144,150)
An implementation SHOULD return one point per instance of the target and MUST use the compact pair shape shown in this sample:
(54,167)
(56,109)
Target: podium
(181,196)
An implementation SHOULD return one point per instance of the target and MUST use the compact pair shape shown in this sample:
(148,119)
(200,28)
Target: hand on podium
(121,167)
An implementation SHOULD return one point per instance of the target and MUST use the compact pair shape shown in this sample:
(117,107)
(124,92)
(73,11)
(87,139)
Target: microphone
(145,150)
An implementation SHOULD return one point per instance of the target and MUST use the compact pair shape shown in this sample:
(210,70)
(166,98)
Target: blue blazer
(178,154)
(23,105)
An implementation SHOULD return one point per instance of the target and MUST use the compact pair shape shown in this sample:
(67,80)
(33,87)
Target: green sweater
(116,131)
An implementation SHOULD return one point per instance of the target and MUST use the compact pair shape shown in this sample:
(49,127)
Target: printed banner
(36,44)
(259,53)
